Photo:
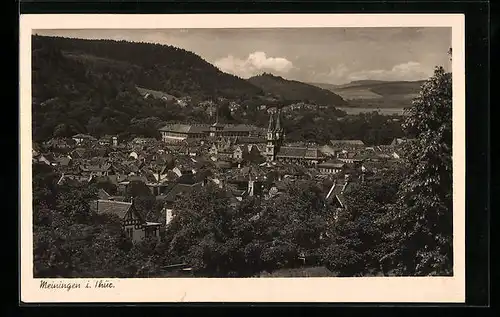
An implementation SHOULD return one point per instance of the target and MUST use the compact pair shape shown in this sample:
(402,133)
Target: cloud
(254,64)
(404,71)
(341,74)
(336,75)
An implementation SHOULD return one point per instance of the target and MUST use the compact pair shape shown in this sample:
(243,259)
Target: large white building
(180,132)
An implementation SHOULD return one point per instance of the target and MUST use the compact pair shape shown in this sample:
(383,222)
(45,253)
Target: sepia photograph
(233,153)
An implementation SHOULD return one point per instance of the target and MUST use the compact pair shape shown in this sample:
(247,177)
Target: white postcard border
(367,289)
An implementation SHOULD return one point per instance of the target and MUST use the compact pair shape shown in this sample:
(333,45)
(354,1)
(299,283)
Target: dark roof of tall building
(299,152)
(205,128)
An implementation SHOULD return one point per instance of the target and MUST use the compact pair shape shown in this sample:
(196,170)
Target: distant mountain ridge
(376,92)
(292,90)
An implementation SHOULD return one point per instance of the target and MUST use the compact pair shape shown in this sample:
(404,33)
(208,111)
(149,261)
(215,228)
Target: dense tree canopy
(219,238)
(361,237)
(423,221)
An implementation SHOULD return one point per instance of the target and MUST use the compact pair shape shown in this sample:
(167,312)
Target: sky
(317,55)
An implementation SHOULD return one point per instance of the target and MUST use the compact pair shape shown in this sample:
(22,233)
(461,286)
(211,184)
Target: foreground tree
(293,224)
(423,219)
(201,233)
(358,239)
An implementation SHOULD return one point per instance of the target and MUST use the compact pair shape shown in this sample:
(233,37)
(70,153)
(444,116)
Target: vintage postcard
(242,158)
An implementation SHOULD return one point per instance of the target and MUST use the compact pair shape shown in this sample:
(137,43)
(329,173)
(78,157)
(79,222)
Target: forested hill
(296,91)
(159,67)
(89,86)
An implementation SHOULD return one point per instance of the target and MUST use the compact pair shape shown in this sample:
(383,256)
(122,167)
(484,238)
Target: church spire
(271,123)
(278,121)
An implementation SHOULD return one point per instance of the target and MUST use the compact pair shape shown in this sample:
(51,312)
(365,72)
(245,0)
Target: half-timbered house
(134,225)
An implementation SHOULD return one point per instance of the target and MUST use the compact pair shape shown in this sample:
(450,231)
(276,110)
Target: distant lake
(383,111)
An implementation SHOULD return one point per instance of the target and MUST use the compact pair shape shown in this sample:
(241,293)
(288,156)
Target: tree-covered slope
(90,86)
(154,66)
(291,90)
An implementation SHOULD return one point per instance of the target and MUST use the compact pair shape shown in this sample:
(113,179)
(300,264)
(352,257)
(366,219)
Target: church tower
(271,140)
(275,136)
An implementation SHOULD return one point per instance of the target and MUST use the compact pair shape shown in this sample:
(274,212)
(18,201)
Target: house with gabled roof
(96,170)
(64,161)
(240,152)
(48,159)
(134,224)
(72,179)
(83,138)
